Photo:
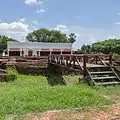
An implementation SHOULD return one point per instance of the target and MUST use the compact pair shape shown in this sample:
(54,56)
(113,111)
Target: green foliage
(33,94)
(9,76)
(109,90)
(86,48)
(3,42)
(72,38)
(46,35)
(106,47)
(116,56)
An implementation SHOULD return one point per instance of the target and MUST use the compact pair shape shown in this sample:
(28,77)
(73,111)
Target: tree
(46,35)
(72,38)
(106,47)
(86,48)
(3,42)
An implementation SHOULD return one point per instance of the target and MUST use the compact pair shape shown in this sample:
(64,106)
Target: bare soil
(110,113)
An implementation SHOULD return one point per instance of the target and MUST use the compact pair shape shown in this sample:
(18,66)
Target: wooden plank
(101,72)
(80,66)
(84,66)
(93,59)
(101,78)
(97,66)
(110,59)
(115,74)
(90,76)
(108,83)
(70,68)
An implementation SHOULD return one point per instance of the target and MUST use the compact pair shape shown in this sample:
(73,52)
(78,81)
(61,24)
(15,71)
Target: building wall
(35,46)
(33,49)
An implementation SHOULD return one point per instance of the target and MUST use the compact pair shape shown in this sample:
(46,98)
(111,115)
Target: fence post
(96,59)
(110,59)
(49,58)
(66,60)
(73,57)
(84,65)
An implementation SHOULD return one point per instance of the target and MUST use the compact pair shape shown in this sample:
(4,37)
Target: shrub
(7,77)
(116,56)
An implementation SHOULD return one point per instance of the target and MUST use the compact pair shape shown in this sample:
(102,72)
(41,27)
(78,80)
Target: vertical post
(8,52)
(50,52)
(84,65)
(22,54)
(66,60)
(110,59)
(74,58)
(3,54)
(61,52)
(61,60)
(96,59)
(48,58)
(86,59)
(39,53)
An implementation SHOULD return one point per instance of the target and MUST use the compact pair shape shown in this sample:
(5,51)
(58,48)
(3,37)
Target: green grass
(32,94)
(112,92)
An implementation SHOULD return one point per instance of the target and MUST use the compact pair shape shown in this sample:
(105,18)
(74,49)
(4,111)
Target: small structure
(96,68)
(37,49)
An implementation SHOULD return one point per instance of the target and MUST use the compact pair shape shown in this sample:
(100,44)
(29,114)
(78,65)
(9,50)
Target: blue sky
(91,20)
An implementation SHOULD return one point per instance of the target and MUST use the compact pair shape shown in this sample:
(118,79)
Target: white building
(37,48)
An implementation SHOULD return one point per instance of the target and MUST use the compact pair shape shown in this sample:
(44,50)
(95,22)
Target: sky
(90,20)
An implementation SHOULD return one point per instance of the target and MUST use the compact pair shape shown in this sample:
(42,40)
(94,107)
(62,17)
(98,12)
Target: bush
(116,56)
(7,78)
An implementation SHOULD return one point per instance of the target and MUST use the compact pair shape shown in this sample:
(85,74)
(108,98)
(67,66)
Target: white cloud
(34,27)
(33,1)
(62,28)
(65,29)
(118,13)
(77,35)
(41,10)
(113,37)
(16,30)
(35,22)
(92,39)
(23,20)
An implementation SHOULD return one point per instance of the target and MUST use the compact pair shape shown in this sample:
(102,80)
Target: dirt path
(111,113)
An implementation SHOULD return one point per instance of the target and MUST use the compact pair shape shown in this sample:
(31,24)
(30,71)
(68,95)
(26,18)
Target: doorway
(30,53)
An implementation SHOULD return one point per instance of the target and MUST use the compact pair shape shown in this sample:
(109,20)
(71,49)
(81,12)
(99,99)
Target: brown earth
(110,113)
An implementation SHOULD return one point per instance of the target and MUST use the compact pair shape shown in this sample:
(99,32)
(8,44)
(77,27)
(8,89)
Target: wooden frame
(82,61)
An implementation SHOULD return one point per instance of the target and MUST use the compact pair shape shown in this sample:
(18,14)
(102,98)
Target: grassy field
(33,94)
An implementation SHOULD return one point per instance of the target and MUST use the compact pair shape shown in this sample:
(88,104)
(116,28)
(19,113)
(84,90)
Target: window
(14,53)
(44,53)
(56,52)
(66,52)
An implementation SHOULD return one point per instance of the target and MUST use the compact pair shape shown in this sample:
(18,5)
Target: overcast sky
(91,20)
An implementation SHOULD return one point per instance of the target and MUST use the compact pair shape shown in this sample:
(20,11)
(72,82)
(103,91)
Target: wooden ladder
(102,76)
